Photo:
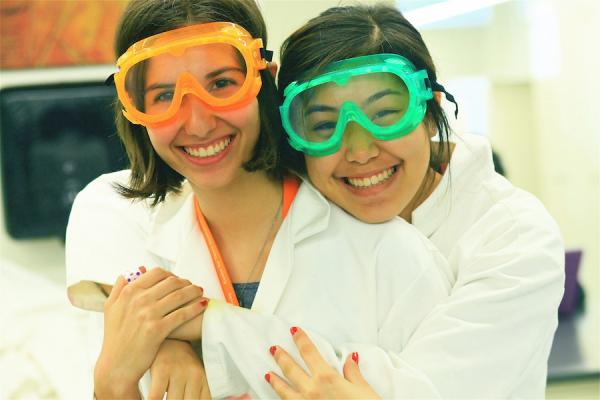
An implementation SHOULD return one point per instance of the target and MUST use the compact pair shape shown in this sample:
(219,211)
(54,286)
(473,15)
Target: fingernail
(293,330)
(142,269)
(204,302)
(272,350)
(355,357)
(268,378)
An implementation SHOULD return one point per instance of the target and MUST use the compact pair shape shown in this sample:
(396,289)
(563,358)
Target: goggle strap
(266,54)
(436,87)
(110,81)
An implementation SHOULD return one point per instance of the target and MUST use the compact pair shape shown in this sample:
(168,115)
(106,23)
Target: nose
(360,146)
(199,118)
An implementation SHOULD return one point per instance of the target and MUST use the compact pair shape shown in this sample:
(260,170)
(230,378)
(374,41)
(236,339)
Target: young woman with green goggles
(209,199)
(364,115)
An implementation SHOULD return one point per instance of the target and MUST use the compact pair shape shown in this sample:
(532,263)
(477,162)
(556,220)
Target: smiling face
(206,146)
(374,180)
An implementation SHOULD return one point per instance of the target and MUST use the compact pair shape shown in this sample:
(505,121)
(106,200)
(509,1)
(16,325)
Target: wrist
(112,384)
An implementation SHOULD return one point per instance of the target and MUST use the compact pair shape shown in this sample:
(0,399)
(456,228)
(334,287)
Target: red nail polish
(355,357)
(142,269)
(293,330)
(268,377)
(204,302)
(272,350)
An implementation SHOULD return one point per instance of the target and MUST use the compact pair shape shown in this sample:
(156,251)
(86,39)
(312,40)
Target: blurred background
(524,73)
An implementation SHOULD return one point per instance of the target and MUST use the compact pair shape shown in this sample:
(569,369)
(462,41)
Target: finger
(116,290)
(176,389)
(158,386)
(293,372)
(179,298)
(280,386)
(193,389)
(131,276)
(168,285)
(183,315)
(151,278)
(352,370)
(308,351)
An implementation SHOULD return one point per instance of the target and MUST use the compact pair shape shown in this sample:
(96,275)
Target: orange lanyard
(290,188)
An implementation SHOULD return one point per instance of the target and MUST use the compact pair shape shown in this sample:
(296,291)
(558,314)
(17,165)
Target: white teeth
(208,151)
(373,180)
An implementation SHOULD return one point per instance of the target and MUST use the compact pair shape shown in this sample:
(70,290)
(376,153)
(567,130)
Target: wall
(539,58)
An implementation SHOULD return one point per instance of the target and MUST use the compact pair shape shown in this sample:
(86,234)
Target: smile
(208,151)
(373,180)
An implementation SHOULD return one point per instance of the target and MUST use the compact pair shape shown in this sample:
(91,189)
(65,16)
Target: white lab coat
(491,338)
(342,280)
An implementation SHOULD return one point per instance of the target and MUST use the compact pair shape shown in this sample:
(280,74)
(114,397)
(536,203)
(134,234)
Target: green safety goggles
(384,93)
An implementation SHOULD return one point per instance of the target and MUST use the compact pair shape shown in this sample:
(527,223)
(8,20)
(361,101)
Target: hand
(192,329)
(323,382)
(137,319)
(178,371)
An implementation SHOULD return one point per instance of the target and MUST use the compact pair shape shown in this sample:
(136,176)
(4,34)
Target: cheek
(411,148)
(160,137)
(247,117)
(320,169)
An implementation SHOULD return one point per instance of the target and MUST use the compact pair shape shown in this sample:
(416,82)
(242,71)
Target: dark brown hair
(151,177)
(351,31)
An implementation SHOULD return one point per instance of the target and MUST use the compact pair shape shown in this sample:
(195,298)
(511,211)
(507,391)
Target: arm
(178,372)
(497,327)
(137,319)
(236,342)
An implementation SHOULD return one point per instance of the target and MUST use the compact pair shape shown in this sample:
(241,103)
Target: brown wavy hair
(150,176)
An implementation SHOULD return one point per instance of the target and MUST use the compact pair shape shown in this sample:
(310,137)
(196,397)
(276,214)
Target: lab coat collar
(173,220)
(470,160)
(175,236)
(308,216)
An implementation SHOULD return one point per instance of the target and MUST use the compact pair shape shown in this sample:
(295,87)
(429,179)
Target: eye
(223,83)
(324,129)
(381,114)
(164,96)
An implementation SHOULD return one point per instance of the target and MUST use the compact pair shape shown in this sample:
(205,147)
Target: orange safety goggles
(218,62)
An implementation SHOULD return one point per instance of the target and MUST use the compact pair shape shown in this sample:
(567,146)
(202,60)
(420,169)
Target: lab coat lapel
(176,238)
(308,215)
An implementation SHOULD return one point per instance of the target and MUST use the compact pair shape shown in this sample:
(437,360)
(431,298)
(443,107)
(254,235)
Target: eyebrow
(379,95)
(219,71)
(210,75)
(370,99)
(320,108)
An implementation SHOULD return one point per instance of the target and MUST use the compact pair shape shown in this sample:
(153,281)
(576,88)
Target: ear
(272,67)
(438,97)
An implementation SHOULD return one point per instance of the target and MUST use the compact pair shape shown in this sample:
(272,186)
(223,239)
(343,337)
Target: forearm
(111,385)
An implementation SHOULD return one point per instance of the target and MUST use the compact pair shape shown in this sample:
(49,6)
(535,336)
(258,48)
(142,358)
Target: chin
(371,216)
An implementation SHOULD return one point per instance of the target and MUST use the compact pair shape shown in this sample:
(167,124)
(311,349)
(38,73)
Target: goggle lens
(214,72)
(381,97)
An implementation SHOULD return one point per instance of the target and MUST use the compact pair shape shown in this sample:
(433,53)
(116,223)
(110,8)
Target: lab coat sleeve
(104,239)
(491,338)
(236,341)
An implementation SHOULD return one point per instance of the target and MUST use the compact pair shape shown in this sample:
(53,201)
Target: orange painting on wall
(53,33)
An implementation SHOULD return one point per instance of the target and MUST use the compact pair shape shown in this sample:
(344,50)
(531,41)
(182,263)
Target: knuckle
(312,392)
(172,280)
(324,378)
(179,296)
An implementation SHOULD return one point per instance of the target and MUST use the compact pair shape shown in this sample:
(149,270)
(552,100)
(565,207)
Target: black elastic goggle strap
(266,54)
(110,81)
(436,87)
